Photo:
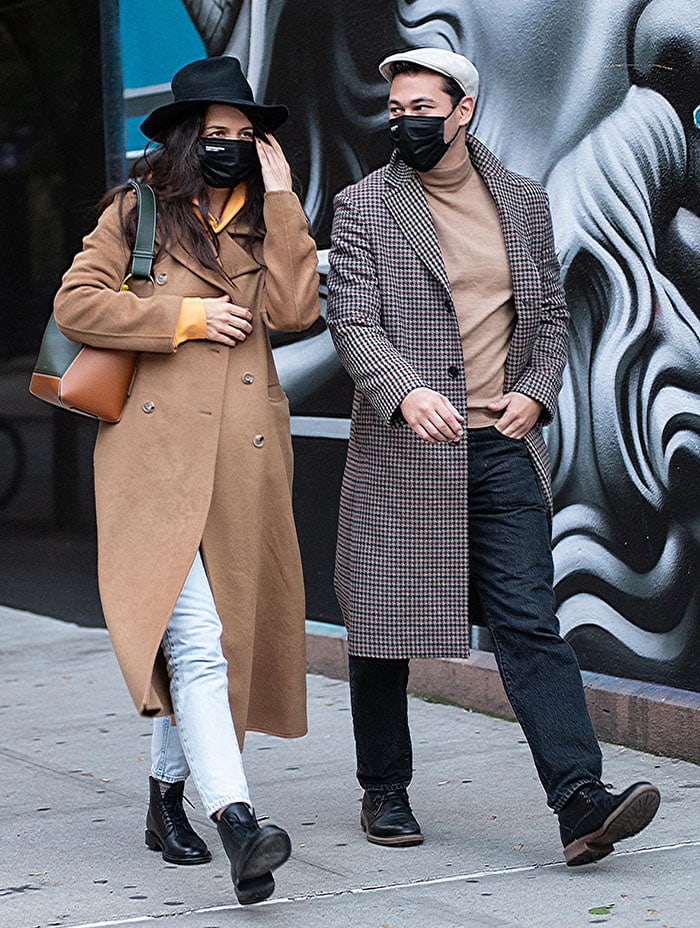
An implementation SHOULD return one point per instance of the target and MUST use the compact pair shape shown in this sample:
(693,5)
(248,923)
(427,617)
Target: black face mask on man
(420,140)
(226,162)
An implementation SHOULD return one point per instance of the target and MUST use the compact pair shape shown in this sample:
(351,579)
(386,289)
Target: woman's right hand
(227,322)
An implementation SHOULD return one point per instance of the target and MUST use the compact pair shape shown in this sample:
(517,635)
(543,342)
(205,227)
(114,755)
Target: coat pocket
(275,393)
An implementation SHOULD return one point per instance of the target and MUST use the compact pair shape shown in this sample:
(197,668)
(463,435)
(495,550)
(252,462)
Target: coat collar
(486,163)
(232,255)
(405,199)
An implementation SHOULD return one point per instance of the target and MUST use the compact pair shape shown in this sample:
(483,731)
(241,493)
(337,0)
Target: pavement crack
(315,866)
(362,890)
(73,777)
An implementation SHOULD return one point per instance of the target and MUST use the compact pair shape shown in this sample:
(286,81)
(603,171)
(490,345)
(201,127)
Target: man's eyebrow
(414,101)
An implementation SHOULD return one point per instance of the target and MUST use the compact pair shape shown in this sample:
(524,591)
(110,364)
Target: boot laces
(176,811)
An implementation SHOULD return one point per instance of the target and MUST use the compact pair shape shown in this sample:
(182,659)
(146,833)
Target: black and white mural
(595,98)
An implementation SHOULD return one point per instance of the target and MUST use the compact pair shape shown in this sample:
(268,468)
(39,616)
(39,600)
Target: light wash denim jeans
(204,741)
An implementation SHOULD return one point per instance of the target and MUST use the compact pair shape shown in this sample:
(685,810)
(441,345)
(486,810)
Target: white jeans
(204,741)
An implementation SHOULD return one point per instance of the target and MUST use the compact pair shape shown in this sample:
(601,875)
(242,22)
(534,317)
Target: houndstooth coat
(402,565)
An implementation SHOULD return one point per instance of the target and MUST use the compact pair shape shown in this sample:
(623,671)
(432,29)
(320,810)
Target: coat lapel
(405,200)
(500,186)
(235,260)
(524,274)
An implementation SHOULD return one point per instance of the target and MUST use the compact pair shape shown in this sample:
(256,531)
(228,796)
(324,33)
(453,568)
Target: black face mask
(420,140)
(226,162)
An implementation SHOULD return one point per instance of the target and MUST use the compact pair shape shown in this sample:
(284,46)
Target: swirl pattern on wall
(626,444)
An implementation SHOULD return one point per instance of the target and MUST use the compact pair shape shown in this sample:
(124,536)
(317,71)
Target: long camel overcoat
(202,456)
(402,565)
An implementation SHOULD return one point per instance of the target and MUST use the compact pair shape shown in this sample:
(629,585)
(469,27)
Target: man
(446,308)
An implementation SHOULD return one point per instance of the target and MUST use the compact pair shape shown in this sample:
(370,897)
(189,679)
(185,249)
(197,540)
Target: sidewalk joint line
(356,891)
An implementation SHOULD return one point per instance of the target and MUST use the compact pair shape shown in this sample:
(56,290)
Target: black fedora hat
(212,80)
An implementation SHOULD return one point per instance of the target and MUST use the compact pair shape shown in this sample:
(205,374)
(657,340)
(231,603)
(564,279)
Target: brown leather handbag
(95,381)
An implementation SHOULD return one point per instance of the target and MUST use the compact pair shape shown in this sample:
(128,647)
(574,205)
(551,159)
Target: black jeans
(511,576)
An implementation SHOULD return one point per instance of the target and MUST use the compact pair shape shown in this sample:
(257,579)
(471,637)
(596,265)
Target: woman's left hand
(276,173)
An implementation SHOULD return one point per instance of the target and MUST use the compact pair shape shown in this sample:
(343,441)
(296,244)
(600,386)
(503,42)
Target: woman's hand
(276,173)
(226,322)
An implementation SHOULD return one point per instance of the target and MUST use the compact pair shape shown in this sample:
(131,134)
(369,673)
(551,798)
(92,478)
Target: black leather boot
(594,819)
(169,831)
(386,817)
(253,852)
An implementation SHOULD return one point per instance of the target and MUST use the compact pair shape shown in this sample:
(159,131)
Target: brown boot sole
(394,841)
(627,820)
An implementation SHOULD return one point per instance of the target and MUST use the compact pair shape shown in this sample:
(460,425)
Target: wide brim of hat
(271,116)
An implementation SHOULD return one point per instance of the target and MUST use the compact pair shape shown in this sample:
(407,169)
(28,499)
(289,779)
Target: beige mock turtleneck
(471,240)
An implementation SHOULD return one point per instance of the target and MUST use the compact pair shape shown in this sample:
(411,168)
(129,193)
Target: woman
(199,569)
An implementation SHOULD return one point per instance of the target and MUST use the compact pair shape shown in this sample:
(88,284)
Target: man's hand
(432,416)
(520,413)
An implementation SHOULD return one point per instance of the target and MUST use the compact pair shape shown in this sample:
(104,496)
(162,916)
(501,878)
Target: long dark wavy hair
(172,169)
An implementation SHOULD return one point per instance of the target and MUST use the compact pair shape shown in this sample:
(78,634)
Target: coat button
(148,406)
(247,378)
(161,278)
(259,441)
(453,371)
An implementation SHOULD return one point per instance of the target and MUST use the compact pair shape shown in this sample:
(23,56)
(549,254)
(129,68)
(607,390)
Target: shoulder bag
(96,381)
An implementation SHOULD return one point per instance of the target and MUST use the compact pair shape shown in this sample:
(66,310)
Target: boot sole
(630,817)
(154,843)
(394,840)
(266,853)
(248,892)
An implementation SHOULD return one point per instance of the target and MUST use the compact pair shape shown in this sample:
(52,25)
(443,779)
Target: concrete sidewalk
(74,767)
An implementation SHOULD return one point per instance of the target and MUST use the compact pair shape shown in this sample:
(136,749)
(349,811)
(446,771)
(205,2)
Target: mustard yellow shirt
(192,322)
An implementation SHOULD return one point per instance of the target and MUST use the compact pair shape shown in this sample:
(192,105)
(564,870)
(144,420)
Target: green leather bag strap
(144,247)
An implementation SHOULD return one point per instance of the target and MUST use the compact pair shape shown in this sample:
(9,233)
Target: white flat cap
(459,68)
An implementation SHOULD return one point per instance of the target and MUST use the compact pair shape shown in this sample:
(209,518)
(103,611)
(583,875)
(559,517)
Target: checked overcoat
(402,563)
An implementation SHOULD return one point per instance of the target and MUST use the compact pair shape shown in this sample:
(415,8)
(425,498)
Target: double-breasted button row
(259,441)
(247,378)
(148,406)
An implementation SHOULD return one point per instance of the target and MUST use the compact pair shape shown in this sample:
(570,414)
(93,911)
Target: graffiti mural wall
(595,98)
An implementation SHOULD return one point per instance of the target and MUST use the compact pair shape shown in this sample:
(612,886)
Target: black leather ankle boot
(169,831)
(594,819)
(253,852)
(386,818)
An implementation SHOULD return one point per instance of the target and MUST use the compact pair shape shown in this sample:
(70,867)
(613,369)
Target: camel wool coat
(201,456)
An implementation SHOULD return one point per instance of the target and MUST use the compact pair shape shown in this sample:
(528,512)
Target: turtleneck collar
(448,179)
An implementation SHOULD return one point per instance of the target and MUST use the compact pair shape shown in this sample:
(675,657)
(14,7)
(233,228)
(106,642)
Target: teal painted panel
(157,38)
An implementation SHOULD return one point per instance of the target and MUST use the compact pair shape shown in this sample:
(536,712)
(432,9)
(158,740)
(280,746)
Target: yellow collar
(234,205)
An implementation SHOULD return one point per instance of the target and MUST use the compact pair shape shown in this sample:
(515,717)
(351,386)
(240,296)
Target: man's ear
(465,107)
